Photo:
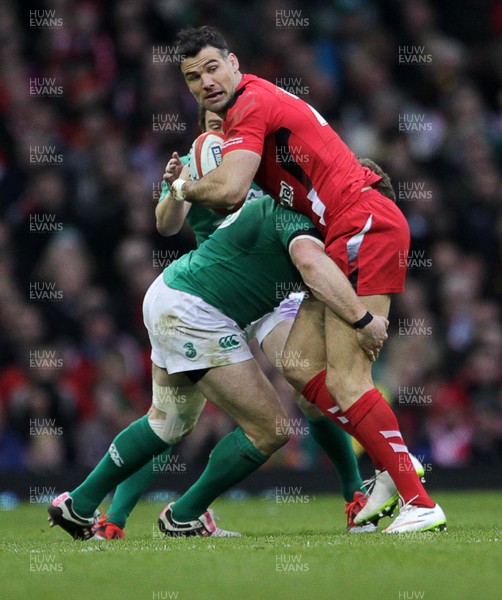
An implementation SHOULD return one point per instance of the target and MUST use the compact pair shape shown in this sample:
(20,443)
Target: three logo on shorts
(191,352)
(229,342)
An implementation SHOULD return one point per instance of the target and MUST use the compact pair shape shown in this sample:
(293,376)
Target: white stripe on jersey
(317,205)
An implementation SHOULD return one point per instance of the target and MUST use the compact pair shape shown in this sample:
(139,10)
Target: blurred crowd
(417,86)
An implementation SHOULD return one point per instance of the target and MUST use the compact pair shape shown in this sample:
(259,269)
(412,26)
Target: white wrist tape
(177,191)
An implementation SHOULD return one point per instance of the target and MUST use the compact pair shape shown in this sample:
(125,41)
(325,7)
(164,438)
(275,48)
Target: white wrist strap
(177,191)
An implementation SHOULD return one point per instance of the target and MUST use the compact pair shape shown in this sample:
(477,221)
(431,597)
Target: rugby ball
(205,154)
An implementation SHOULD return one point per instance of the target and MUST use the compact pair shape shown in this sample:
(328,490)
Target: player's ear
(234,61)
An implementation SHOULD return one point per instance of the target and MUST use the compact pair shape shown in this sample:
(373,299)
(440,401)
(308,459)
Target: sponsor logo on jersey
(229,342)
(254,194)
(286,194)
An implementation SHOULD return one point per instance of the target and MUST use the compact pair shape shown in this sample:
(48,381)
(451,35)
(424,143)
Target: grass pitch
(287,552)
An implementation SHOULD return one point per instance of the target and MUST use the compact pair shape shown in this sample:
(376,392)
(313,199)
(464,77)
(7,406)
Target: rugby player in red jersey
(289,149)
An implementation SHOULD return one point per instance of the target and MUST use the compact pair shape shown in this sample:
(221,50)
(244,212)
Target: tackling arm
(329,284)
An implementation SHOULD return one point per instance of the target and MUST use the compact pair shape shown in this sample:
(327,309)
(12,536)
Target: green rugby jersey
(203,221)
(244,268)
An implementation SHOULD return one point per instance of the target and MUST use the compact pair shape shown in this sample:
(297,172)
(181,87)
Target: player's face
(212,78)
(213,122)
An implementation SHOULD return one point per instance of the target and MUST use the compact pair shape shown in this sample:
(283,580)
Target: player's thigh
(161,377)
(247,396)
(274,342)
(304,354)
(348,367)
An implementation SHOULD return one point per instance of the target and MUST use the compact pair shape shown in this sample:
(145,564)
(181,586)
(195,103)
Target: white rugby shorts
(287,309)
(186,333)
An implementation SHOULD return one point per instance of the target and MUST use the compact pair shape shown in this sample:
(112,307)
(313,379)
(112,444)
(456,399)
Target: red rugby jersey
(305,165)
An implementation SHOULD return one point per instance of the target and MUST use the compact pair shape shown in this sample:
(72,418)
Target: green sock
(129,491)
(130,450)
(338,446)
(232,459)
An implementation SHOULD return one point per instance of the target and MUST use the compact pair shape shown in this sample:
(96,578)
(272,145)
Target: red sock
(317,393)
(376,425)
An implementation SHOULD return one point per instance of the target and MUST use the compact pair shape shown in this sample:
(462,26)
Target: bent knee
(295,375)
(169,431)
(337,385)
(346,390)
(272,437)
(171,428)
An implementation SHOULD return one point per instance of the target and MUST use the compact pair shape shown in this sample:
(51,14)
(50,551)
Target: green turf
(289,551)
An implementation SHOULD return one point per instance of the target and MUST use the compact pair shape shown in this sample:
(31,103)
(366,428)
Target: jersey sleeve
(164,192)
(291,225)
(246,124)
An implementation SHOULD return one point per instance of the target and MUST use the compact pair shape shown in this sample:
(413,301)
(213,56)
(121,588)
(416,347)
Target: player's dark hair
(201,117)
(191,40)
(384,186)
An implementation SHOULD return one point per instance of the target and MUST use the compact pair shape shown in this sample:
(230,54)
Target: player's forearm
(329,284)
(212,191)
(335,291)
(170,216)
(225,186)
